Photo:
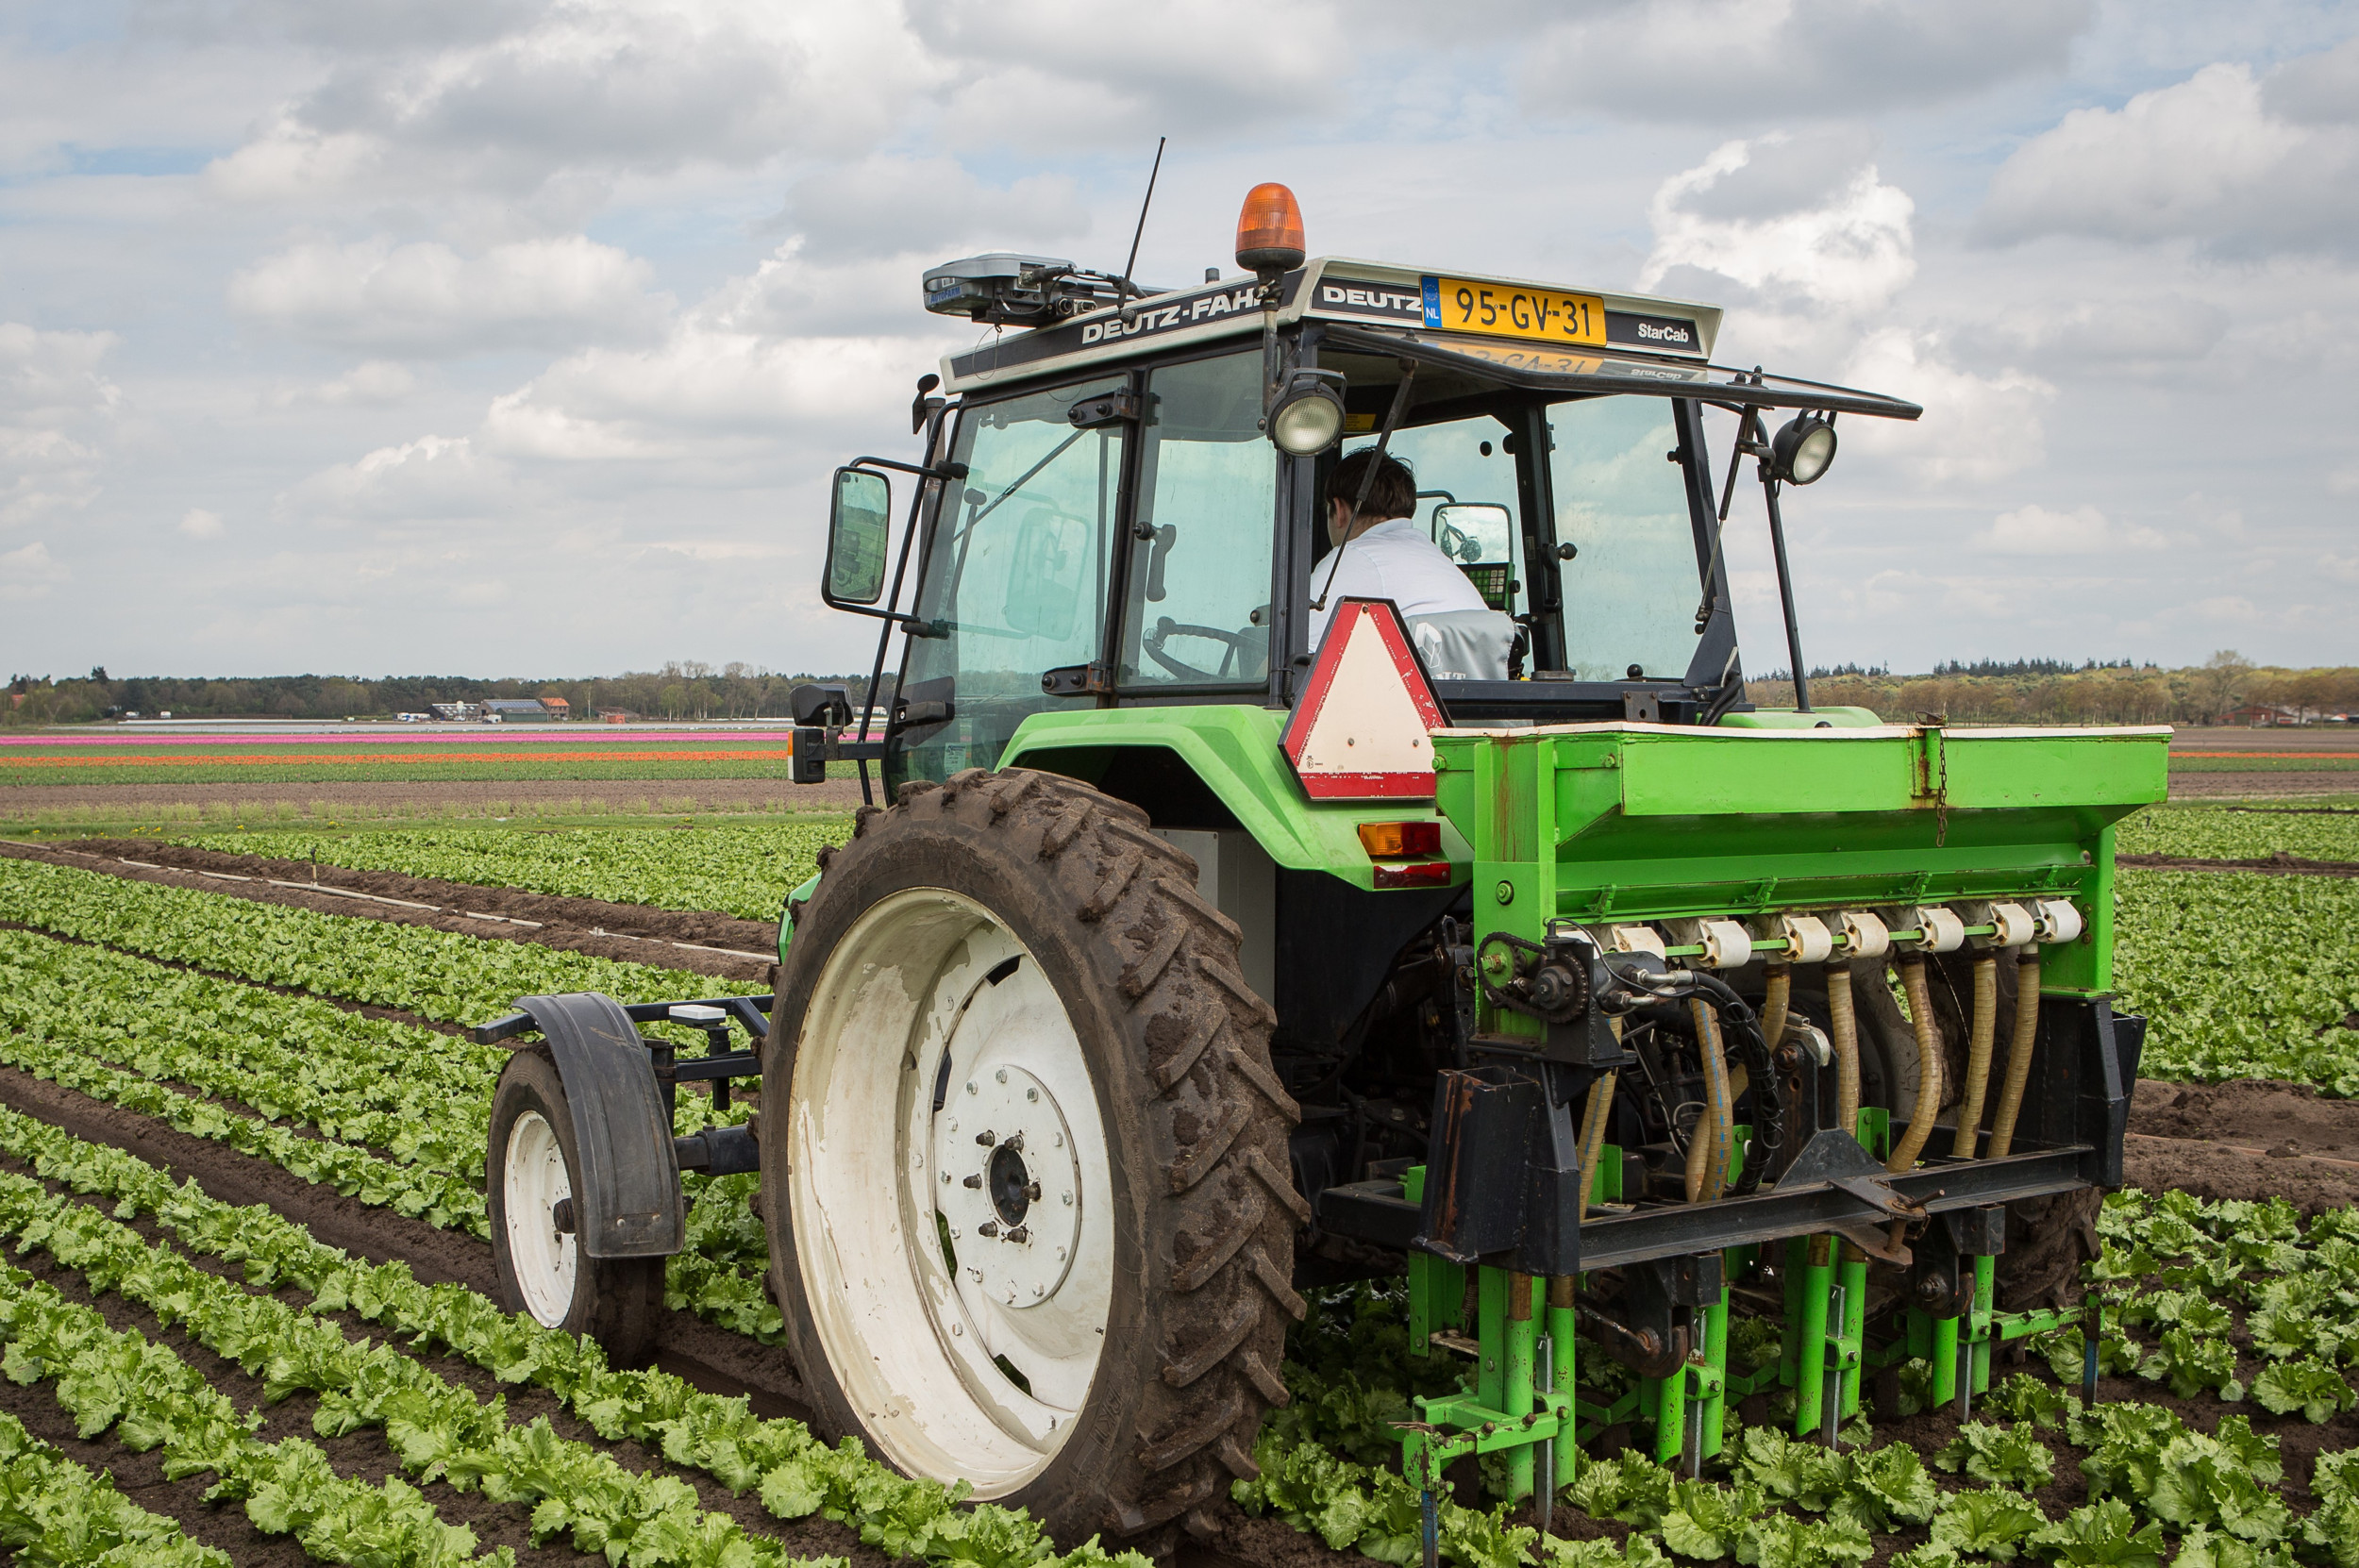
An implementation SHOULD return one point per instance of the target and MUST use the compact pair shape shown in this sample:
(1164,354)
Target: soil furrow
(628,932)
(365,1455)
(2279,865)
(712,1359)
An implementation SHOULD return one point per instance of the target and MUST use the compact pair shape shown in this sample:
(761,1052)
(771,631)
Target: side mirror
(857,525)
(1475,531)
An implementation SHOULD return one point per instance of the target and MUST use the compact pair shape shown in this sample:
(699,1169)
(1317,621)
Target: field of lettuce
(194,1381)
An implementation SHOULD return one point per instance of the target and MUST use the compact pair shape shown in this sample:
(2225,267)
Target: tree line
(2042,692)
(2045,691)
(682,689)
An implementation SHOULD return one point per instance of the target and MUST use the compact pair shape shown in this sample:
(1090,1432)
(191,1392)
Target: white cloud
(1032,73)
(424,298)
(1975,427)
(54,407)
(526,100)
(2036,530)
(893,206)
(1837,238)
(29,573)
(199,524)
(1717,61)
(432,478)
(2208,158)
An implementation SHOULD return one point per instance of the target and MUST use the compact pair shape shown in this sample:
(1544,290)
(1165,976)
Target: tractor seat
(1463,645)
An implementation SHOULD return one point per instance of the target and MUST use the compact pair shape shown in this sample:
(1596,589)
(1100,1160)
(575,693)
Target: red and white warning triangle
(1361,730)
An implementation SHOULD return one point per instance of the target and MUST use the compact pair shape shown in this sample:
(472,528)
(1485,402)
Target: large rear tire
(1086,1322)
(533,1166)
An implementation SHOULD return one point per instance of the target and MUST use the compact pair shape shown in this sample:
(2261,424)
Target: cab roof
(1506,315)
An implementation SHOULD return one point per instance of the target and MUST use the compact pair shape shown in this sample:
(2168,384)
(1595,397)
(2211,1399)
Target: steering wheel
(1239,645)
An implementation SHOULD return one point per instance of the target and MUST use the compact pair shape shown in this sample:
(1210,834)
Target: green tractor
(1220,941)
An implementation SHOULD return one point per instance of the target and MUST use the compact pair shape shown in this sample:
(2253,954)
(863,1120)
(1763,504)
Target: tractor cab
(1124,500)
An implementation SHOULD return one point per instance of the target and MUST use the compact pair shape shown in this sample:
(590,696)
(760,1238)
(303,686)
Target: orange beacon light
(1269,231)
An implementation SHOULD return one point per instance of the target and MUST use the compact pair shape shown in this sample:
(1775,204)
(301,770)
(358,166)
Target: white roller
(1865,935)
(2059,919)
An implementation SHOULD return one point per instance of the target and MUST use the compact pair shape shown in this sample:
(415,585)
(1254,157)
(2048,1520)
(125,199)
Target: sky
(497,336)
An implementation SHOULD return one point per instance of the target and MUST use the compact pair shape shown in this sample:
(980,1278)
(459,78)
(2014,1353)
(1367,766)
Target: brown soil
(2280,863)
(431,797)
(2247,1138)
(709,1358)
(2319,738)
(708,943)
(364,1455)
(712,1358)
(2254,786)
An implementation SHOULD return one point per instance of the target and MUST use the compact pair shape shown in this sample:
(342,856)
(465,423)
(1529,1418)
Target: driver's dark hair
(1392,495)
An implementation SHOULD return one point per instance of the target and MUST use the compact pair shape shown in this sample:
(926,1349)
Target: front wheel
(1030,1221)
(530,1179)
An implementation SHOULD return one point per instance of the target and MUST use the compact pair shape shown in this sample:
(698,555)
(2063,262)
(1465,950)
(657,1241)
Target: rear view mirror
(1474,531)
(857,525)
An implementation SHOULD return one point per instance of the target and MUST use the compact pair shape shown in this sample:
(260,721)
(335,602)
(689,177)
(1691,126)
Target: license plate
(1501,311)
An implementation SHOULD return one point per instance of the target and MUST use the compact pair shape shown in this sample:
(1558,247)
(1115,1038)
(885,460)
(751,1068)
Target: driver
(1382,553)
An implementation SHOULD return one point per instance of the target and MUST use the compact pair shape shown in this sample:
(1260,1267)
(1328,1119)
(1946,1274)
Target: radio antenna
(1139,232)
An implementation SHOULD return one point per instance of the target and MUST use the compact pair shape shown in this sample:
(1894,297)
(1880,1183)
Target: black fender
(626,1200)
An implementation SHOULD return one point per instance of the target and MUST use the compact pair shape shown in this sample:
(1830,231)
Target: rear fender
(1233,753)
(626,1200)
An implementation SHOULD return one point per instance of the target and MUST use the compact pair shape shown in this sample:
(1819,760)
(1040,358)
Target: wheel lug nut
(1015,1144)
(1019,1234)
(1039,1290)
(971,1181)
(1032,1192)
(985,1138)
(1068,1200)
(946,1178)
(989,1228)
(1001,1076)
(1031,1094)
(976,1275)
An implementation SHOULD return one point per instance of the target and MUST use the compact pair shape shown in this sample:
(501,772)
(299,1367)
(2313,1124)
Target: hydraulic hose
(2019,1051)
(1593,1122)
(1979,1037)
(1844,1021)
(1708,1178)
(1928,1066)
(1774,1003)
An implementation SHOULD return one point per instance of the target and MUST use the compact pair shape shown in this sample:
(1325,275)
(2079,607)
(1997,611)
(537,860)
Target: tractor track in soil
(2278,864)
(720,945)
(708,1358)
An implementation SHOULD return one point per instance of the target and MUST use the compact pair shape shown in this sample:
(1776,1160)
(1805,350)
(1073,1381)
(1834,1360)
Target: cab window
(1198,610)
(1631,586)
(1014,572)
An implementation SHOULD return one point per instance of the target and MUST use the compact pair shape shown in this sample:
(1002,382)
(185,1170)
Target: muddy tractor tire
(1023,1158)
(530,1177)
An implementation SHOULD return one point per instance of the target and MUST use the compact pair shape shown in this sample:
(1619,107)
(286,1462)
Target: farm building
(558,708)
(516,711)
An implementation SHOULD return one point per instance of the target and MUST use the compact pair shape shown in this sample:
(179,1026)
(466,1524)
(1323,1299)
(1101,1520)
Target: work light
(1308,416)
(1803,449)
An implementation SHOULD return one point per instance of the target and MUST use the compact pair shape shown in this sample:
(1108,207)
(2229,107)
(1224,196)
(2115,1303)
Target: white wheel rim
(877,1175)
(532,1181)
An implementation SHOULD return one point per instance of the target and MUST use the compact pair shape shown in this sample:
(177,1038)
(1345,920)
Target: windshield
(1015,572)
(1632,584)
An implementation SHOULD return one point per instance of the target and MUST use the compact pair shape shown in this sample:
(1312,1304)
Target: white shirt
(1395,561)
